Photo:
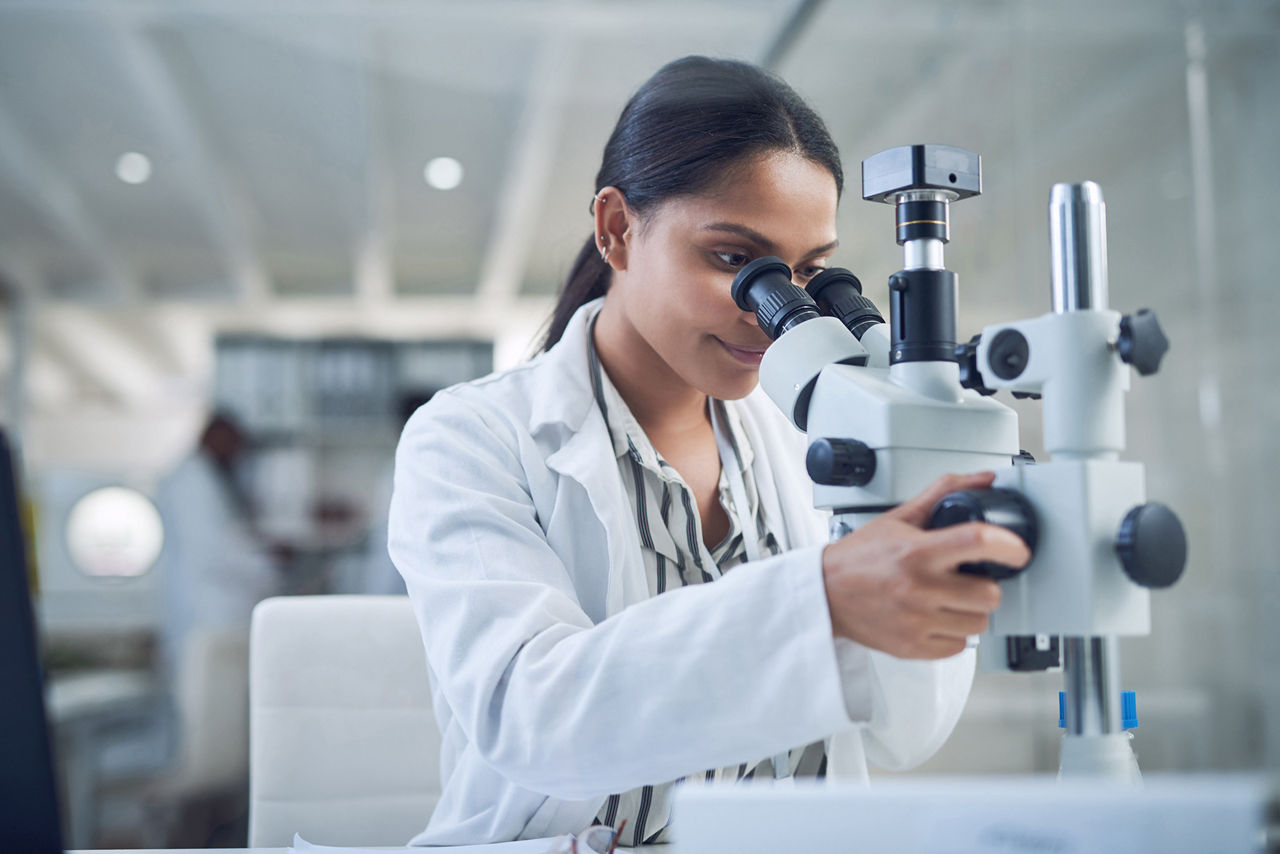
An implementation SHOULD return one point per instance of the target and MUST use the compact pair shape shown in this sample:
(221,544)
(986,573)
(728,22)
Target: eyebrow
(762,241)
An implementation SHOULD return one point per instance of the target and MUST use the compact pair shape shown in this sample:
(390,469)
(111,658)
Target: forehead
(783,196)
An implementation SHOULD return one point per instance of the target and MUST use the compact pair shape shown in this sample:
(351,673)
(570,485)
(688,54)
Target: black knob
(1008,354)
(1003,507)
(967,358)
(840,462)
(1152,545)
(1142,342)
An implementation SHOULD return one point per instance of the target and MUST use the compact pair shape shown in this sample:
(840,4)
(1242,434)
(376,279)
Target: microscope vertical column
(1096,742)
(1092,673)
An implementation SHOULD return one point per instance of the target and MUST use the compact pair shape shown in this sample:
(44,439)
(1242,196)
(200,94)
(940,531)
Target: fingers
(943,549)
(917,510)
(959,624)
(966,593)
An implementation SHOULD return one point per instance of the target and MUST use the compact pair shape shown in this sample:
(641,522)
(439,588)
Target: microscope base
(1100,757)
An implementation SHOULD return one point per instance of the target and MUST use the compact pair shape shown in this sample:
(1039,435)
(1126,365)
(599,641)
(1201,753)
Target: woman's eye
(732,259)
(808,273)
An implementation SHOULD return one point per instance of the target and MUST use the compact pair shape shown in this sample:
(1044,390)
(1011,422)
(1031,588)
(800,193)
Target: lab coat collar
(562,391)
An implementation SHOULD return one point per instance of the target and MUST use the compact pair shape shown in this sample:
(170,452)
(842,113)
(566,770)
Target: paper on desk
(523,846)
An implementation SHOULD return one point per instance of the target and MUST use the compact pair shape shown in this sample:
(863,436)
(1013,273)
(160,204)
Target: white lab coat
(214,569)
(556,679)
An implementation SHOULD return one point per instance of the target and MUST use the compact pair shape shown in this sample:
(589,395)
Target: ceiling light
(133,168)
(443,173)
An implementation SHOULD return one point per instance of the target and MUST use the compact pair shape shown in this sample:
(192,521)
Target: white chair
(343,744)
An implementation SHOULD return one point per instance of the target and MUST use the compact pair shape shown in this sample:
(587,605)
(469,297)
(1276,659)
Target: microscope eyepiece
(764,286)
(839,293)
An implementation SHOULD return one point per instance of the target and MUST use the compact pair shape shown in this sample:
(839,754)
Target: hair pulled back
(681,133)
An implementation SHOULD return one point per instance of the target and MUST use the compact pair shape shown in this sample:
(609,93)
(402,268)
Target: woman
(557,524)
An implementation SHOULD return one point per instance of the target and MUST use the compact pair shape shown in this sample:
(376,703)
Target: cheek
(674,300)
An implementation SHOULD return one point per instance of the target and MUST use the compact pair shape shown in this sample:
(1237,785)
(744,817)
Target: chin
(734,388)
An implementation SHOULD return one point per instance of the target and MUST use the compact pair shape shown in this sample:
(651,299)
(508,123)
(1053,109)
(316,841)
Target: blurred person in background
(217,566)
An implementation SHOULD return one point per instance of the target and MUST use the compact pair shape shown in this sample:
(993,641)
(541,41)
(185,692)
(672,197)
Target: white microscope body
(889,408)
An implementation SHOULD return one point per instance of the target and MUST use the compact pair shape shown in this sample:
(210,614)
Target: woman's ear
(614,223)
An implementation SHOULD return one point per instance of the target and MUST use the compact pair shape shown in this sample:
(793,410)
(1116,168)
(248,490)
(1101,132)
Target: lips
(745,355)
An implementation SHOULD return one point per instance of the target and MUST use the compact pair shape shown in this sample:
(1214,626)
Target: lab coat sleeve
(905,709)
(700,677)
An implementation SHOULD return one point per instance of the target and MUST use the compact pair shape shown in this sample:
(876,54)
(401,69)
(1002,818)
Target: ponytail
(588,279)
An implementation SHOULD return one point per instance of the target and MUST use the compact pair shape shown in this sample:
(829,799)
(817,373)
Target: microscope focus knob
(1142,343)
(1004,507)
(1152,545)
(840,462)
(967,359)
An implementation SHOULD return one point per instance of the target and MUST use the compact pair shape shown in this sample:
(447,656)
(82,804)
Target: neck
(659,399)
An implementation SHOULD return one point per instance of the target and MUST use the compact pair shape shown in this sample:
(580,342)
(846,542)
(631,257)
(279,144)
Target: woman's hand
(893,586)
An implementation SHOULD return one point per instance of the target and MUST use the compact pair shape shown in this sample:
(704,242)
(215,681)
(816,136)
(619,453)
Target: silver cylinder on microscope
(1078,247)
(924,253)
(1092,683)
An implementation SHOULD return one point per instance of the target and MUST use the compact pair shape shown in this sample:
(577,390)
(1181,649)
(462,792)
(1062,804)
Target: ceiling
(288,139)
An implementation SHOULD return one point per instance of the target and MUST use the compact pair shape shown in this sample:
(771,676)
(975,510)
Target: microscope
(890,407)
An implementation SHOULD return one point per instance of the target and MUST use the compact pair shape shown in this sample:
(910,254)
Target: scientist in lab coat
(612,551)
(217,567)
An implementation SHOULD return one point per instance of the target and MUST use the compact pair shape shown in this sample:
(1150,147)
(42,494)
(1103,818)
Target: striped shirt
(675,556)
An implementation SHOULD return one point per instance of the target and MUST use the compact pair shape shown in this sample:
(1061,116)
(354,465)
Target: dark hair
(689,124)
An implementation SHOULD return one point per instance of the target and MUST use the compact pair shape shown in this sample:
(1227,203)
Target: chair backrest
(211,694)
(344,747)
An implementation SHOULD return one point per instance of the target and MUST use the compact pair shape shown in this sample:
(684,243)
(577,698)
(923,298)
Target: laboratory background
(241,241)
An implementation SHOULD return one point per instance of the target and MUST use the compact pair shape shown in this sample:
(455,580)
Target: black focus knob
(840,462)
(1142,343)
(1008,354)
(967,358)
(1152,545)
(1004,507)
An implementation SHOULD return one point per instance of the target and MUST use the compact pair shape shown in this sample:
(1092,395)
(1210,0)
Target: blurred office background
(308,216)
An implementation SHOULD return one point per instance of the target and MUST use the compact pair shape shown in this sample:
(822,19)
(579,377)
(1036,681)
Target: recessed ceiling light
(133,168)
(443,173)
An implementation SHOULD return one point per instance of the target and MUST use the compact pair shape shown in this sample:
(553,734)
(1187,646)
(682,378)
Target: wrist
(829,573)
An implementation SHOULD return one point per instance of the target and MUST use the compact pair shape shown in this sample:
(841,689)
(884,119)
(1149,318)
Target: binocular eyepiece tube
(764,286)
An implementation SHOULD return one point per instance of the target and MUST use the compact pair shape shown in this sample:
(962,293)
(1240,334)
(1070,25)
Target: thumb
(916,511)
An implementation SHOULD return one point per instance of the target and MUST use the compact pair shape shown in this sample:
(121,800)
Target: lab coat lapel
(561,395)
(587,459)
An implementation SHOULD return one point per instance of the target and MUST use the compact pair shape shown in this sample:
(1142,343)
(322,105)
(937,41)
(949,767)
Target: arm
(703,676)
(902,614)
